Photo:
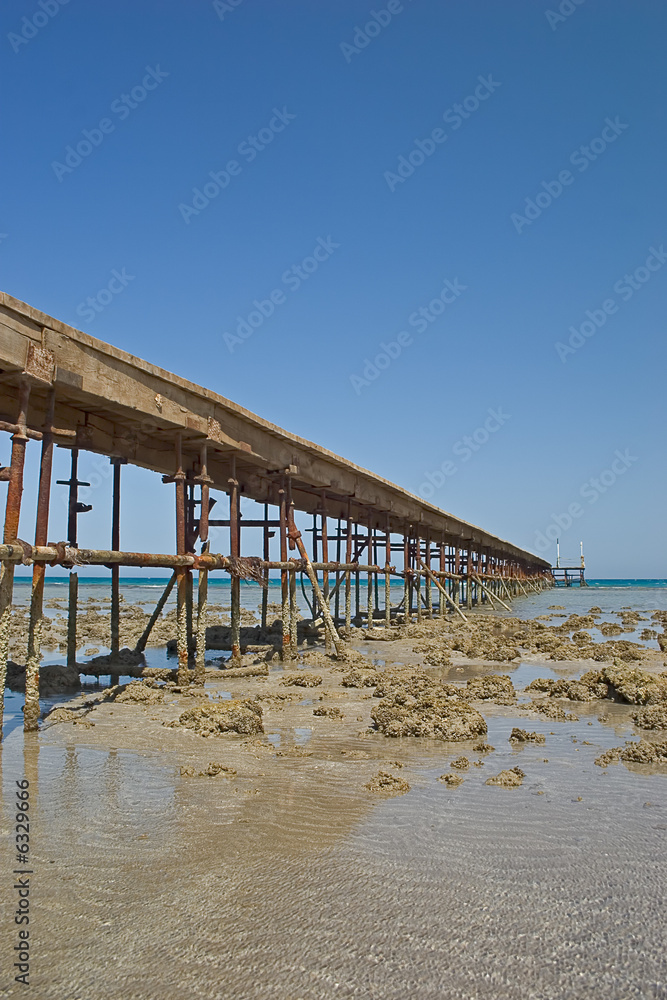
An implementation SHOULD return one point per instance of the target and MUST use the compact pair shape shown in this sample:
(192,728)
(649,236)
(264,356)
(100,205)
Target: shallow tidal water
(292,882)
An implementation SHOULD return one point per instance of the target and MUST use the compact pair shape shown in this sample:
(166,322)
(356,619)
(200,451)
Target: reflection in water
(290,880)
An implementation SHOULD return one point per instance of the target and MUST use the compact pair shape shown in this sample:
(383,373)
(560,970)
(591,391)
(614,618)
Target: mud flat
(340,829)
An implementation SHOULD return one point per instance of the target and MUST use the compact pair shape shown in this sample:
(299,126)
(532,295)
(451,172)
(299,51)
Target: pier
(568,576)
(59,386)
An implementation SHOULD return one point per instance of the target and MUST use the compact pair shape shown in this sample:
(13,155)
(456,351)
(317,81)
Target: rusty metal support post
(457,570)
(235,551)
(442,590)
(313,597)
(73,595)
(141,644)
(469,575)
(295,538)
(12,514)
(183,676)
(348,577)
(427,582)
(265,552)
(418,578)
(406,577)
(31,708)
(189,547)
(338,579)
(369,609)
(115,570)
(284,583)
(325,572)
(72,610)
(202,586)
(443,568)
(293,611)
(387,577)
(293,614)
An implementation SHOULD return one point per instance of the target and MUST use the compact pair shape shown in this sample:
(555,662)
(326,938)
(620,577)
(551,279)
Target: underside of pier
(61,386)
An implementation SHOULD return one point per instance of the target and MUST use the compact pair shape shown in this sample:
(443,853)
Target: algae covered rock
(636,686)
(389,784)
(423,707)
(652,717)
(451,780)
(360,677)
(326,712)
(643,752)
(229,716)
(461,763)
(619,682)
(523,736)
(140,693)
(511,778)
(497,688)
(302,680)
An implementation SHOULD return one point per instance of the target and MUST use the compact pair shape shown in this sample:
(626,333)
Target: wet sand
(284,876)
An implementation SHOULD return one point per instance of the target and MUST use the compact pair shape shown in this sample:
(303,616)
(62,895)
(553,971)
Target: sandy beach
(346,831)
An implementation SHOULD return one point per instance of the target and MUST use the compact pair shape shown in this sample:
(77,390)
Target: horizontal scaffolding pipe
(68,555)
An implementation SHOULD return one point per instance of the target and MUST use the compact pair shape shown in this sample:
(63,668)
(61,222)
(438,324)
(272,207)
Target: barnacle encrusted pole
(293,609)
(387,576)
(31,708)
(348,578)
(234,548)
(427,582)
(442,590)
(141,643)
(338,576)
(202,589)
(369,595)
(456,589)
(266,535)
(442,606)
(325,560)
(468,576)
(284,584)
(406,575)
(181,572)
(295,536)
(115,570)
(74,508)
(418,575)
(12,515)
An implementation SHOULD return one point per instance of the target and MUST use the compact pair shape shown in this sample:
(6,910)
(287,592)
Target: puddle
(525,673)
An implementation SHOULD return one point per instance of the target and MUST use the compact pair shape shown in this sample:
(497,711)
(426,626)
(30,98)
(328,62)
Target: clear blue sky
(333,111)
